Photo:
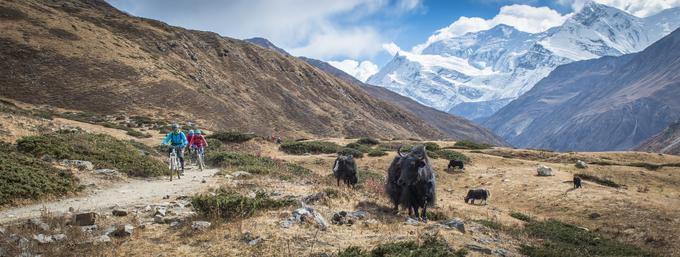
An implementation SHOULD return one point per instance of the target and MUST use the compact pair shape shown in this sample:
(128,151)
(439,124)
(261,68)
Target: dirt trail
(130,193)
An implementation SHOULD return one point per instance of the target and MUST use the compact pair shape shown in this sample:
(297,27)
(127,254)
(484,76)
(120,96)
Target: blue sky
(359,36)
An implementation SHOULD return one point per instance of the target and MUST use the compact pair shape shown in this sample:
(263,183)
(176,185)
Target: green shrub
(368,141)
(376,153)
(466,144)
(351,151)
(234,159)
(561,239)
(360,147)
(453,155)
(232,137)
(26,177)
(102,150)
(214,145)
(297,170)
(231,205)
(598,180)
(436,216)
(431,247)
(431,146)
(331,192)
(312,147)
(138,134)
(520,216)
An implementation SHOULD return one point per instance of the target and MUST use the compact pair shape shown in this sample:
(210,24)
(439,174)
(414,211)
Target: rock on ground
(544,171)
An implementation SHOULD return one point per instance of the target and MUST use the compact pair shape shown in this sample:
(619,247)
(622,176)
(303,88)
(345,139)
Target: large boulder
(545,171)
(85,219)
(581,164)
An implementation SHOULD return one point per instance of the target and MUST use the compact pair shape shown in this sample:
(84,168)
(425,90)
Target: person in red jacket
(198,141)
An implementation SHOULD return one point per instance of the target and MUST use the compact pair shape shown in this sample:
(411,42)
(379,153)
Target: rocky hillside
(88,56)
(667,141)
(611,103)
(455,127)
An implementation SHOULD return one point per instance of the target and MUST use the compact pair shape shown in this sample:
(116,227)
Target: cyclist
(190,138)
(199,143)
(177,141)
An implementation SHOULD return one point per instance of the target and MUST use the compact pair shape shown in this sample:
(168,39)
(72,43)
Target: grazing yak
(577,182)
(477,194)
(455,164)
(345,169)
(411,182)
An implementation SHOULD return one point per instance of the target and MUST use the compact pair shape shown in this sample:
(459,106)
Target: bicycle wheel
(200,161)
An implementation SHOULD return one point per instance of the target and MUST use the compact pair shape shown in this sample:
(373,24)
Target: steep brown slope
(667,141)
(455,127)
(611,103)
(87,55)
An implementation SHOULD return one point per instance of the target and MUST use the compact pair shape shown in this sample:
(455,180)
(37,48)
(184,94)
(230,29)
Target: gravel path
(127,194)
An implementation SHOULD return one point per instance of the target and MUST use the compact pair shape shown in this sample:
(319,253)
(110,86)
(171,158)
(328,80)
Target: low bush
(520,216)
(229,205)
(214,145)
(331,192)
(360,147)
(351,151)
(562,239)
(103,151)
(431,247)
(312,147)
(453,155)
(368,141)
(364,175)
(376,153)
(598,180)
(232,137)
(431,146)
(26,177)
(466,144)
(256,165)
(495,225)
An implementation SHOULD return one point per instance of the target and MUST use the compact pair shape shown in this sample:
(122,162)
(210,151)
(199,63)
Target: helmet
(198,131)
(191,131)
(175,126)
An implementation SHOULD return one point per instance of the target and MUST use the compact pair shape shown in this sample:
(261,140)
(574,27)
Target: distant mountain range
(610,103)
(666,141)
(476,74)
(454,127)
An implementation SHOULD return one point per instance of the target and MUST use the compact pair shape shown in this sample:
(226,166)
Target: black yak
(411,182)
(455,164)
(345,169)
(477,194)
(577,182)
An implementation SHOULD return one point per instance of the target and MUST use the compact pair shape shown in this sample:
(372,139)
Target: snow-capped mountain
(476,74)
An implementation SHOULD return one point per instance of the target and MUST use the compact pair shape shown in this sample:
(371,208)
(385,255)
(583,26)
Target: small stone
(2,231)
(119,213)
(203,181)
(501,252)
(275,193)
(123,231)
(175,224)
(200,225)
(147,208)
(412,222)
(59,237)
(255,241)
(594,215)
(43,239)
(85,219)
(160,210)
(81,165)
(88,229)
(581,164)
(455,223)
(39,223)
(241,174)
(103,239)
(158,219)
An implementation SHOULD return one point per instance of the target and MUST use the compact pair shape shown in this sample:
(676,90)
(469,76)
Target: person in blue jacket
(177,141)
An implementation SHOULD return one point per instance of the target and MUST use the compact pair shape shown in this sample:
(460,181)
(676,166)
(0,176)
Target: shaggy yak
(577,182)
(411,182)
(345,169)
(477,194)
(455,164)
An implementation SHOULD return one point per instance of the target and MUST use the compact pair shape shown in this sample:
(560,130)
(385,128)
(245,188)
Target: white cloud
(391,48)
(359,70)
(640,8)
(317,29)
(523,17)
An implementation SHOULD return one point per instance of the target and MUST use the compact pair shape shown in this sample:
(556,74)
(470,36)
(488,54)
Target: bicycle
(173,163)
(199,154)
